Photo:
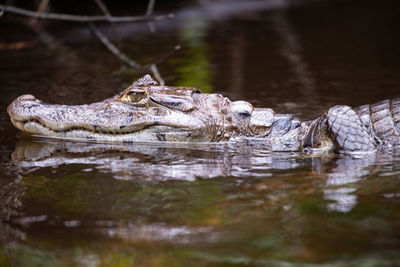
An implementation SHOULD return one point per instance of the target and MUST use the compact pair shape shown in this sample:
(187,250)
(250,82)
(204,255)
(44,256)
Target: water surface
(80,204)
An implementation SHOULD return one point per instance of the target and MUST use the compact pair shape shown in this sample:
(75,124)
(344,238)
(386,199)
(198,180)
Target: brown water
(74,204)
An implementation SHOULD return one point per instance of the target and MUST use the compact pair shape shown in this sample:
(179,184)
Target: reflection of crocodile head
(149,161)
(142,112)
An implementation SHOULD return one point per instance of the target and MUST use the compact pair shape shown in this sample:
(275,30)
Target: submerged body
(148,112)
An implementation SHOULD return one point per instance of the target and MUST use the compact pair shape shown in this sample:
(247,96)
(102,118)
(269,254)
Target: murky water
(79,204)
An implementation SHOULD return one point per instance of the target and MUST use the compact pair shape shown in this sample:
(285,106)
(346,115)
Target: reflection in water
(187,162)
(346,171)
(79,204)
(158,161)
(344,199)
(162,193)
(194,70)
(158,233)
(291,50)
(237,47)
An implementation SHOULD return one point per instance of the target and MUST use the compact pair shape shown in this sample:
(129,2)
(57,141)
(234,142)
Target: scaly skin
(341,128)
(148,112)
(142,112)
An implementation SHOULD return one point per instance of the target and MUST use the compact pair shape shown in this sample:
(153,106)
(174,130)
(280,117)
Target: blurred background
(72,204)
(274,53)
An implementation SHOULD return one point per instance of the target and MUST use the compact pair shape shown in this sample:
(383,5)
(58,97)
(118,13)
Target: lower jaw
(152,134)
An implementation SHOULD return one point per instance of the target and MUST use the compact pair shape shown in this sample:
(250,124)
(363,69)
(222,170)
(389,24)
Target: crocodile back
(382,119)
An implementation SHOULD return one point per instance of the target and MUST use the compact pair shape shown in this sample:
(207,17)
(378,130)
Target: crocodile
(147,112)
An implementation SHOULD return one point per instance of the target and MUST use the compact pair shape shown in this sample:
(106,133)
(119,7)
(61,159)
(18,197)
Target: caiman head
(144,111)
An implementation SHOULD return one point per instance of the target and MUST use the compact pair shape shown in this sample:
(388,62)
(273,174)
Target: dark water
(79,204)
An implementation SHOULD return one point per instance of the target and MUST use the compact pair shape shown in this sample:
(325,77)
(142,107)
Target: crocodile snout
(21,107)
(26,97)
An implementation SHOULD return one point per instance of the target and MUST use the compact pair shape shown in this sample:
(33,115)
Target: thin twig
(3,9)
(43,5)
(77,18)
(106,12)
(156,74)
(151,27)
(170,53)
(150,7)
(149,11)
(124,58)
(103,8)
(113,49)
(17,45)
(107,17)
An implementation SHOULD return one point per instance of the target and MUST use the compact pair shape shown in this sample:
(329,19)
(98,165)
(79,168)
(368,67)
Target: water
(79,204)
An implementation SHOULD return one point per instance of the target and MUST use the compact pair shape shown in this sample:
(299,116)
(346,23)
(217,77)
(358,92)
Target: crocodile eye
(136,96)
(244,115)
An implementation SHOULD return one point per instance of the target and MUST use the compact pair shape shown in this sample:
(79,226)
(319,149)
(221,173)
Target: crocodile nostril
(19,107)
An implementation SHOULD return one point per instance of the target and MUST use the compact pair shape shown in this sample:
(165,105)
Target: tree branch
(150,7)
(170,53)
(106,12)
(77,18)
(103,8)
(43,5)
(103,39)
(156,74)
(124,58)
(4,8)
(113,49)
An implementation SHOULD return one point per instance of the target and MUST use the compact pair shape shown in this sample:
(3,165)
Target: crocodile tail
(382,120)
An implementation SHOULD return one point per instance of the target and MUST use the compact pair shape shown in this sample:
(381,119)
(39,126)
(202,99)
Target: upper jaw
(113,120)
(18,109)
(108,120)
